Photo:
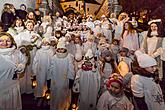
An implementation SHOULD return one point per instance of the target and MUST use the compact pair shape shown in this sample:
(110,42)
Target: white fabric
(107,70)
(61,45)
(26,38)
(97,30)
(48,32)
(162,56)
(78,54)
(90,24)
(40,68)
(89,45)
(19,29)
(146,87)
(145,60)
(89,87)
(154,20)
(105,24)
(108,34)
(10,95)
(13,62)
(46,40)
(61,70)
(12,31)
(71,48)
(130,41)
(152,43)
(109,102)
(89,54)
(118,29)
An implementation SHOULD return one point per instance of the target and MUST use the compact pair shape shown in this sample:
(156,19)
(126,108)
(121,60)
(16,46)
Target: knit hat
(115,77)
(145,60)
(124,50)
(106,53)
(61,45)
(89,54)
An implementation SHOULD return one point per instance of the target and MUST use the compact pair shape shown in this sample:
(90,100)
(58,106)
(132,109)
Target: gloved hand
(15,76)
(71,82)
(33,77)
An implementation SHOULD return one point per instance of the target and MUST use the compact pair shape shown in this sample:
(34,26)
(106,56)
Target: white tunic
(89,87)
(146,87)
(12,61)
(26,38)
(61,70)
(40,68)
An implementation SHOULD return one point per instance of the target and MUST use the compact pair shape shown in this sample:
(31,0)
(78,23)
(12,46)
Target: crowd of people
(94,64)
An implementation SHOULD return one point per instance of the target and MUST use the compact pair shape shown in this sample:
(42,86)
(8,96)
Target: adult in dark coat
(21,13)
(7,17)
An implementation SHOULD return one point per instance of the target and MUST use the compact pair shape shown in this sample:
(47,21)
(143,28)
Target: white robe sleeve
(137,86)
(50,69)
(35,64)
(71,72)
(21,63)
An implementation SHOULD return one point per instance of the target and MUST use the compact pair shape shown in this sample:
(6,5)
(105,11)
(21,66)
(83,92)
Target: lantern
(74,107)
(34,83)
(47,94)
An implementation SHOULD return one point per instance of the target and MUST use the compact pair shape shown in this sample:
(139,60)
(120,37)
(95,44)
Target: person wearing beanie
(89,81)
(124,57)
(145,84)
(61,73)
(152,44)
(107,66)
(40,69)
(114,98)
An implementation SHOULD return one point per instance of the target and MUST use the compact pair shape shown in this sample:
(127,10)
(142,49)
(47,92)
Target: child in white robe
(40,68)
(89,83)
(61,73)
(145,84)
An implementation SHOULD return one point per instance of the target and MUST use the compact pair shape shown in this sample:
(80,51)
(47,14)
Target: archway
(70,10)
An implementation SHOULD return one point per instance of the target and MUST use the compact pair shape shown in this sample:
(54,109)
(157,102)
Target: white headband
(153,21)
